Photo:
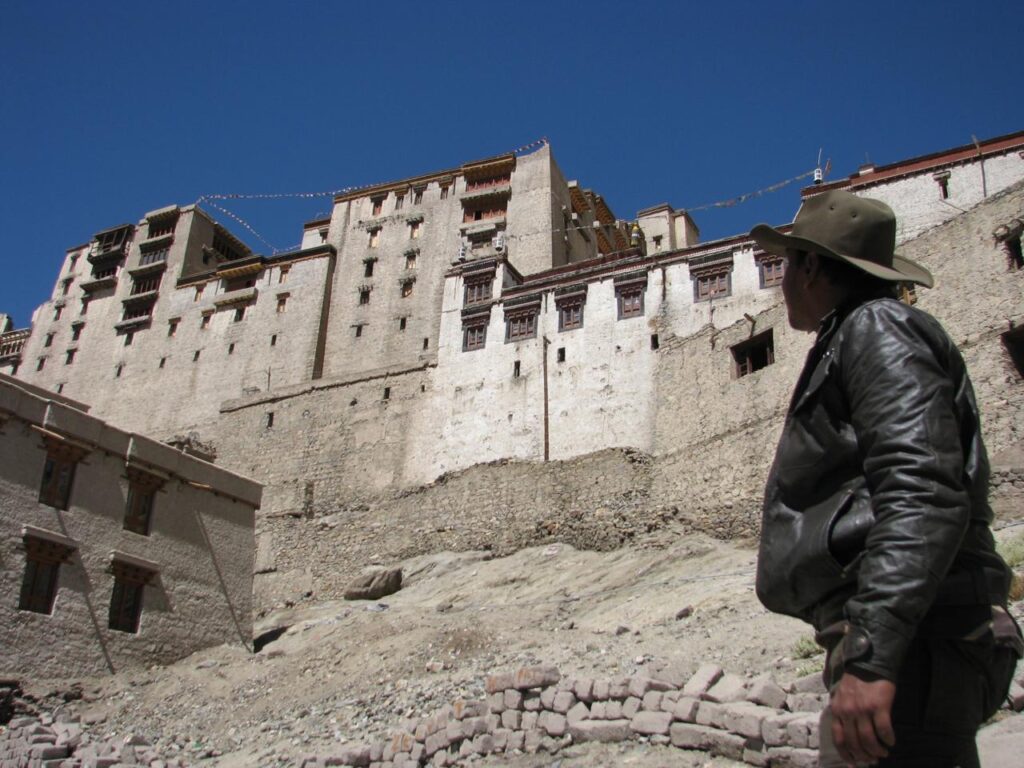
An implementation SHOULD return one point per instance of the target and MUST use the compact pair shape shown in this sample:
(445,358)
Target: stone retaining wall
(531,710)
(535,709)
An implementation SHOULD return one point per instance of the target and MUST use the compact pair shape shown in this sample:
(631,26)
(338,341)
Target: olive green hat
(840,225)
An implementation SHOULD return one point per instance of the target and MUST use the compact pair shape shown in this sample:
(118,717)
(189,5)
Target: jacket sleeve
(895,372)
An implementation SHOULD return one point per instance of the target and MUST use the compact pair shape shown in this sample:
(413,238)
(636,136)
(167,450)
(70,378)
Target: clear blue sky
(111,109)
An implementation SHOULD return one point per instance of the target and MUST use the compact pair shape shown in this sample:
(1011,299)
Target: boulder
(375,585)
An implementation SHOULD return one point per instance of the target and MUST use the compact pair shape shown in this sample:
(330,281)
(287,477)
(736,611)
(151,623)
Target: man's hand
(861,723)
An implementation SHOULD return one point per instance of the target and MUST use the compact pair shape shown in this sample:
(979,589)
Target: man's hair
(857,282)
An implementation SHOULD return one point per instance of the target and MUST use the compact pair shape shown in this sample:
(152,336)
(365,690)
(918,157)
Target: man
(875,525)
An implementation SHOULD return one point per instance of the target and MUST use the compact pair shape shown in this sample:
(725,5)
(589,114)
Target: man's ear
(811,267)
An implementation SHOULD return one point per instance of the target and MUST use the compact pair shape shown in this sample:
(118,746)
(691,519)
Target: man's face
(796,292)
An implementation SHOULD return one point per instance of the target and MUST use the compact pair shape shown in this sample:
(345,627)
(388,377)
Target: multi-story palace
(489,312)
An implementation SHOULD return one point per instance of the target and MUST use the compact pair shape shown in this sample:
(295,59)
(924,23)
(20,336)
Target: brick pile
(535,710)
(62,742)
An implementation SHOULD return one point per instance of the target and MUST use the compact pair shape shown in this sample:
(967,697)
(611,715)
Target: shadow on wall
(86,591)
(246,641)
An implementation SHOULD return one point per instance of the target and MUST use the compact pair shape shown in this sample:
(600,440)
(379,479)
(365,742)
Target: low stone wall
(597,502)
(535,710)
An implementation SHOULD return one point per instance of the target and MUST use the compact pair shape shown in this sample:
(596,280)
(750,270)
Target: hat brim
(902,270)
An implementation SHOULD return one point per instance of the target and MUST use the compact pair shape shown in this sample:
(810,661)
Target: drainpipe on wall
(981,161)
(325,316)
(547,445)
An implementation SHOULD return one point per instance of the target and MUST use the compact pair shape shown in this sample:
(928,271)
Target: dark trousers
(945,690)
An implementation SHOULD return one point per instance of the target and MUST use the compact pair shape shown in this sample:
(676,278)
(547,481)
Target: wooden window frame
(770,270)
(477,290)
(570,314)
(630,300)
(474,334)
(753,354)
(59,471)
(142,490)
(43,559)
(521,325)
(705,290)
(127,597)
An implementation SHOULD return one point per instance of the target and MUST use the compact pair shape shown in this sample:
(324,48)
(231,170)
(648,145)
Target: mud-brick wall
(978,297)
(716,432)
(594,502)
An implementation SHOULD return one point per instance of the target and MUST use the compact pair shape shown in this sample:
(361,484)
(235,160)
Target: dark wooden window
(478,290)
(1014,254)
(570,315)
(417,196)
(630,300)
(521,325)
(1013,340)
(59,473)
(39,587)
(364,296)
(488,182)
(368,267)
(712,285)
(754,354)
(771,271)
(138,513)
(42,568)
(126,599)
(154,257)
(135,311)
(474,335)
(76,332)
(484,212)
(399,202)
(159,230)
(444,192)
(378,206)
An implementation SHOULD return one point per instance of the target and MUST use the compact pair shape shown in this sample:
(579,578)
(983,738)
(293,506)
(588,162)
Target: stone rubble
(533,709)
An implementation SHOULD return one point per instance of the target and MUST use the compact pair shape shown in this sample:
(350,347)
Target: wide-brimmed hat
(857,230)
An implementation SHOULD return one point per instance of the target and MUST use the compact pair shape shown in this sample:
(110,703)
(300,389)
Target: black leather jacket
(876,506)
